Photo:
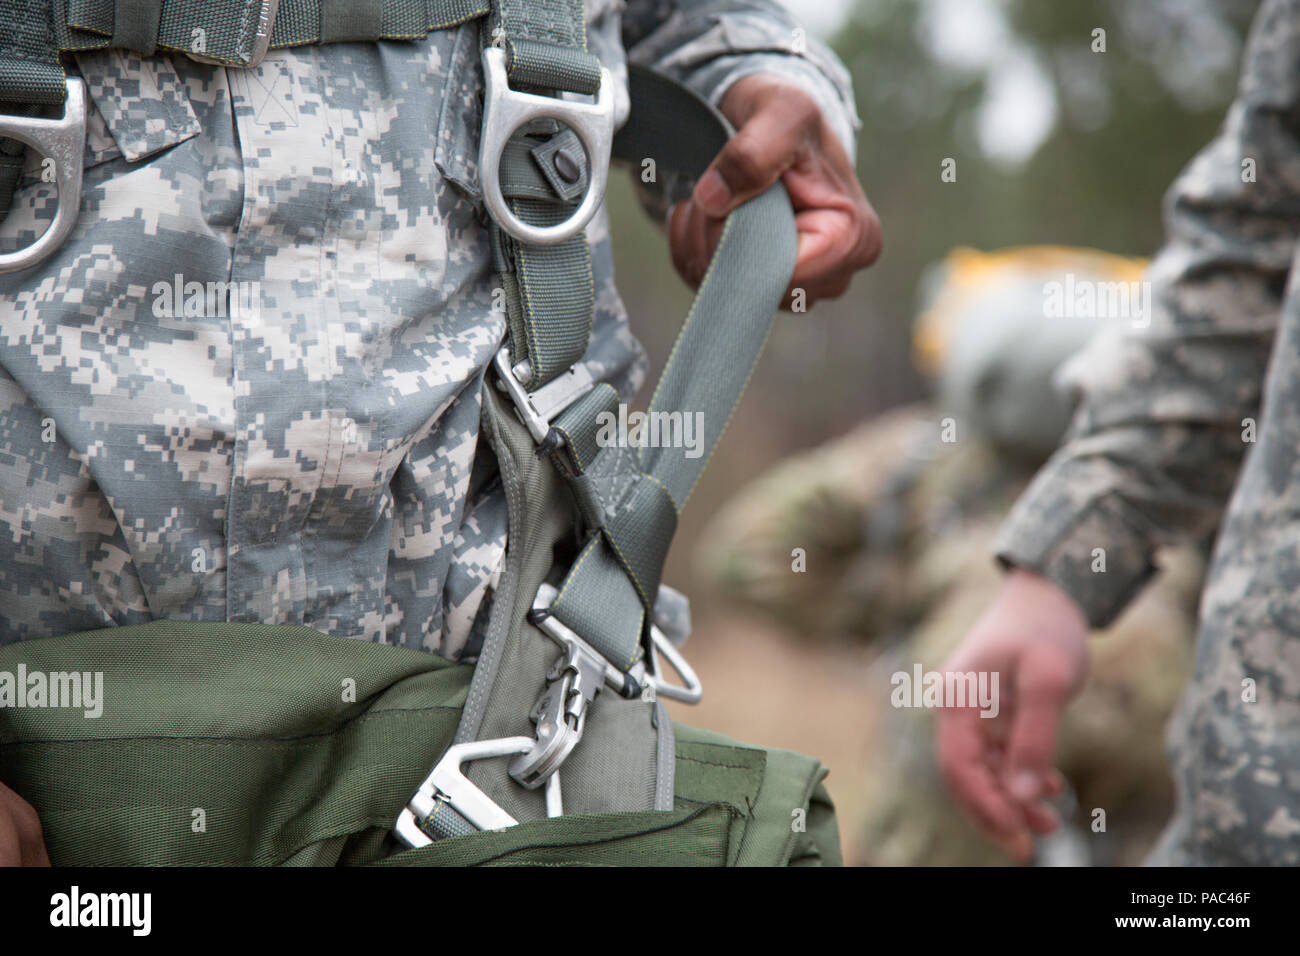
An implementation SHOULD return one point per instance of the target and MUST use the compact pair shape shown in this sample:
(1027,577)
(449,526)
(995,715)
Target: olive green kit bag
(232,744)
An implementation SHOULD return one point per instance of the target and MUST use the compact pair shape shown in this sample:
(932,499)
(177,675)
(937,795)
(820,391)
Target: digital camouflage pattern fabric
(1192,426)
(248,387)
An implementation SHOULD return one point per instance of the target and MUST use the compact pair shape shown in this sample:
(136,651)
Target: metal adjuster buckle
(505,110)
(536,409)
(64,141)
(561,711)
(690,690)
(266,14)
(446,784)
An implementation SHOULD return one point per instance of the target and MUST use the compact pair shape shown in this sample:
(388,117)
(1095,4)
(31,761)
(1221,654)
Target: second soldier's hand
(781,135)
(999,769)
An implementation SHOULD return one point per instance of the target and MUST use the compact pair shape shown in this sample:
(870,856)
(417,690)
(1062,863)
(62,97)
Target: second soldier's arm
(1167,413)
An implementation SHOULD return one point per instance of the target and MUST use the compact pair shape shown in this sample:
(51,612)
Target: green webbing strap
(228,26)
(30,72)
(543,65)
(37,31)
(342,21)
(31,78)
(550,292)
(529,165)
(581,424)
(706,373)
(253,744)
(135,25)
(546,44)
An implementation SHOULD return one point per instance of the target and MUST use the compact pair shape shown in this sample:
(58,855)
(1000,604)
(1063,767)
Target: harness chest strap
(601,610)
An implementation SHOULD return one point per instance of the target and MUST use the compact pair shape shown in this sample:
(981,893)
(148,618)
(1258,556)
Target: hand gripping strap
(706,373)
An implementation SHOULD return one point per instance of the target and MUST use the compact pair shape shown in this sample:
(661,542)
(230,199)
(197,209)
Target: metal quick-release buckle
(561,711)
(505,110)
(266,13)
(63,141)
(447,784)
(691,689)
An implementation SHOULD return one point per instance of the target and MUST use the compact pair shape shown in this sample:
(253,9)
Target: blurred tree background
(1054,143)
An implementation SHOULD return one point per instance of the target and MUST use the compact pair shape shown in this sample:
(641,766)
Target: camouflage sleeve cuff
(834,96)
(1094,553)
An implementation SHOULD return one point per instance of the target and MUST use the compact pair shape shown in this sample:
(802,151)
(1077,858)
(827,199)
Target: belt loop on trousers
(343,21)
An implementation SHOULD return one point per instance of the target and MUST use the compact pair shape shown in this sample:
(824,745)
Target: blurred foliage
(1124,122)
(1127,120)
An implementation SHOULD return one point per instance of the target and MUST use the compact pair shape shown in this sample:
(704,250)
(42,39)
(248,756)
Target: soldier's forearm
(1169,409)
(710,44)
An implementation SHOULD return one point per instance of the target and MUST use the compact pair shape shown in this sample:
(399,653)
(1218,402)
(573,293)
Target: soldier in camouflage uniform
(1195,414)
(248,387)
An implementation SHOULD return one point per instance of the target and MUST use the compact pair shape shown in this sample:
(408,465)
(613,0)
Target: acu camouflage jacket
(1190,425)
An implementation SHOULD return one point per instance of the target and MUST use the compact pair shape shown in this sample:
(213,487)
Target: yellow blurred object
(968,274)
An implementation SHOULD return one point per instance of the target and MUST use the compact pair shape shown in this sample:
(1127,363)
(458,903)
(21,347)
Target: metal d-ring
(64,141)
(505,110)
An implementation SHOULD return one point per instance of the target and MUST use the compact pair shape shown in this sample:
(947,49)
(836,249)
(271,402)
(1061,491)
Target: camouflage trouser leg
(248,386)
(1234,743)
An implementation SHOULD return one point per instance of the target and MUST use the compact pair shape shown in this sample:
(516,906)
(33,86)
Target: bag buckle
(505,110)
(64,141)
(560,715)
(447,784)
(574,681)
